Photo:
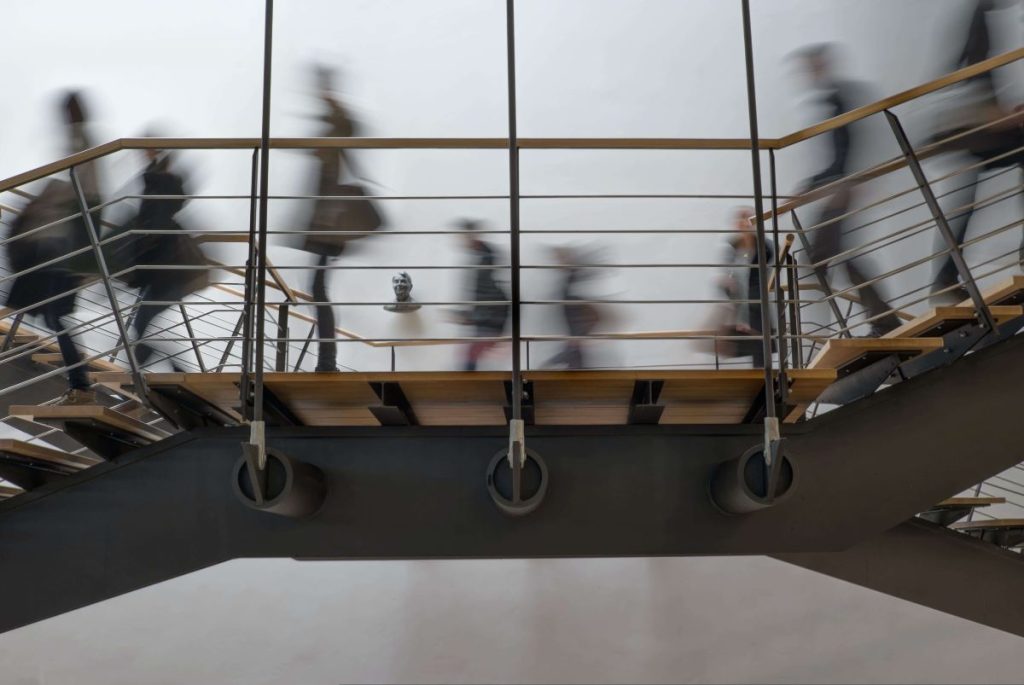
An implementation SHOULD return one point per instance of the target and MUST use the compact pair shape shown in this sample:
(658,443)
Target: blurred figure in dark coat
(45,291)
(488,320)
(742,285)
(581,317)
(839,96)
(996,146)
(163,196)
(358,215)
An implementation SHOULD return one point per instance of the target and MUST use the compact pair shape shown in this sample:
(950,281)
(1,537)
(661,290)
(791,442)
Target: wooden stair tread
(990,524)
(938,315)
(93,412)
(956,502)
(56,358)
(38,452)
(9,491)
(1000,292)
(839,352)
(452,398)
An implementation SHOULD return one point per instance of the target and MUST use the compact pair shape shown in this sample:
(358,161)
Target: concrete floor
(266,622)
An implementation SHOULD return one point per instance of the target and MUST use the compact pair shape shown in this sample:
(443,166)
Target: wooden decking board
(939,315)
(453,398)
(55,358)
(37,452)
(841,351)
(9,491)
(970,502)
(1012,287)
(97,413)
(988,524)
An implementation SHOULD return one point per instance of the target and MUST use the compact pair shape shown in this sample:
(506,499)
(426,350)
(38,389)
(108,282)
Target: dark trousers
(78,377)
(946,275)
(146,313)
(327,357)
(477,349)
(826,242)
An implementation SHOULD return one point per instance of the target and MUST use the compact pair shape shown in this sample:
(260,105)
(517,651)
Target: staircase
(144,485)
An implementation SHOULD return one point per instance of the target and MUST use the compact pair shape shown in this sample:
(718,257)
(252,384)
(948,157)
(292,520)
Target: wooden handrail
(783,253)
(946,81)
(850,117)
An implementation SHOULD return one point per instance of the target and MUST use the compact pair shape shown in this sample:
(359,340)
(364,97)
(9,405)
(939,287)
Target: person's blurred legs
(327,357)
(474,352)
(78,376)
(962,203)
(169,291)
(825,243)
(873,302)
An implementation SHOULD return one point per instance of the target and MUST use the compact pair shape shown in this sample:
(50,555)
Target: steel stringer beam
(417,492)
(927,564)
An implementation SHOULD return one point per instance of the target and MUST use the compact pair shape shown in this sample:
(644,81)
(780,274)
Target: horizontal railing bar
(523,143)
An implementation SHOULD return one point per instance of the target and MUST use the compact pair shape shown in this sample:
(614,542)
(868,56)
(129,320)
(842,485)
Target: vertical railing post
(771,421)
(956,254)
(780,305)
(282,338)
(819,274)
(122,330)
(255,451)
(516,453)
(259,341)
(796,342)
(245,321)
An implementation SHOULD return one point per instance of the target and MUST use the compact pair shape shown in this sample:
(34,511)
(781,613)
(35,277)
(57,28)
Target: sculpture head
(402,284)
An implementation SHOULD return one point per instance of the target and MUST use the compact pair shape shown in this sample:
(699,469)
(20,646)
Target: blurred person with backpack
(334,222)
(49,291)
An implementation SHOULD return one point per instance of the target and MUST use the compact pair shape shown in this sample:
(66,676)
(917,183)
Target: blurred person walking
(331,218)
(581,318)
(740,317)
(990,139)
(44,292)
(163,196)
(488,318)
(828,240)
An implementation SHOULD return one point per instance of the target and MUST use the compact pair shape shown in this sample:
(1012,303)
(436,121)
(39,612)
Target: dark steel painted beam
(644,409)
(417,492)
(933,566)
(394,408)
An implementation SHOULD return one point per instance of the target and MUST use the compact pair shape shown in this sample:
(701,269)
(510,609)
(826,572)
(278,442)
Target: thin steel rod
(780,305)
(794,317)
(261,254)
(245,322)
(192,337)
(513,182)
(90,229)
(819,274)
(305,346)
(984,315)
(762,257)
